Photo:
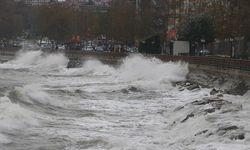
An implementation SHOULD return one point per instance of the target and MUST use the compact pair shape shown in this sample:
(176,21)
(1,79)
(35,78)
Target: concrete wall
(231,81)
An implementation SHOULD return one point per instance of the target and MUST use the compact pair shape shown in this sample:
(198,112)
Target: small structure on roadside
(178,48)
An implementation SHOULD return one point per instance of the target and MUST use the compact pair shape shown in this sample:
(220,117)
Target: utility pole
(239,25)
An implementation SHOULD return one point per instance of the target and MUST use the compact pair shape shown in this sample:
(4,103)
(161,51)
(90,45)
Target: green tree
(231,19)
(197,28)
(151,18)
(122,21)
(88,24)
(54,22)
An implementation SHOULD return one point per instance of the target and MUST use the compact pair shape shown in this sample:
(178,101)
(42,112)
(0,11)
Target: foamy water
(44,105)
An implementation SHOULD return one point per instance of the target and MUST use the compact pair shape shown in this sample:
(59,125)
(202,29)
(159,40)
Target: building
(38,2)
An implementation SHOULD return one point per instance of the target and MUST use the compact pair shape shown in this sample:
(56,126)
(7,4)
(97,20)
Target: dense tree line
(122,21)
(10,20)
(197,28)
(58,22)
(228,18)
(231,18)
(53,22)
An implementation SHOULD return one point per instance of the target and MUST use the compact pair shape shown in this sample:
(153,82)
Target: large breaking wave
(37,60)
(134,70)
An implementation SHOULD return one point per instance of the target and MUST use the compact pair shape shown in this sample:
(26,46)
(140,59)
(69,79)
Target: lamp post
(196,49)
(203,41)
(232,48)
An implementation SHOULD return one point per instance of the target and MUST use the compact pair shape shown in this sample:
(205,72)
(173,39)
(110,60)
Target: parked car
(204,52)
(61,47)
(17,44)
(87,48)
(45,46)
(99,48)
(132,49)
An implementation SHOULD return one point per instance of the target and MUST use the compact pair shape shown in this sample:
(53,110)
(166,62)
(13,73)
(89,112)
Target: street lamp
(196,49)
(232,48)
(203,46)
(203,43)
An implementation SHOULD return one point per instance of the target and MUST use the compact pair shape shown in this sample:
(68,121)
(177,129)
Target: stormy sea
(141,104)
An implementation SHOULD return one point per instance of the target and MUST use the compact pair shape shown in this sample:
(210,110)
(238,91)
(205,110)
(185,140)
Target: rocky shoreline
(209,108)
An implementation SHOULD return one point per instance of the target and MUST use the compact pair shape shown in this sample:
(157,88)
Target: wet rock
(78,91)
(219,103)
(214,92)
(187,117)
(220,95)
(201,102)
(160,112)
(15,96)
(74,63)
(241,89)
(232,132)
(215,102)
(193,87)
(231,108)
(181,89)
(131,89)
(178,108)
(221,132)
(227,128)
(210,110)
(202,132)
(205,101)
(3,91)
(174,123)
(134,89)
(238,136)
(125,91)
(189,85)
(180,83)
(209,134)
